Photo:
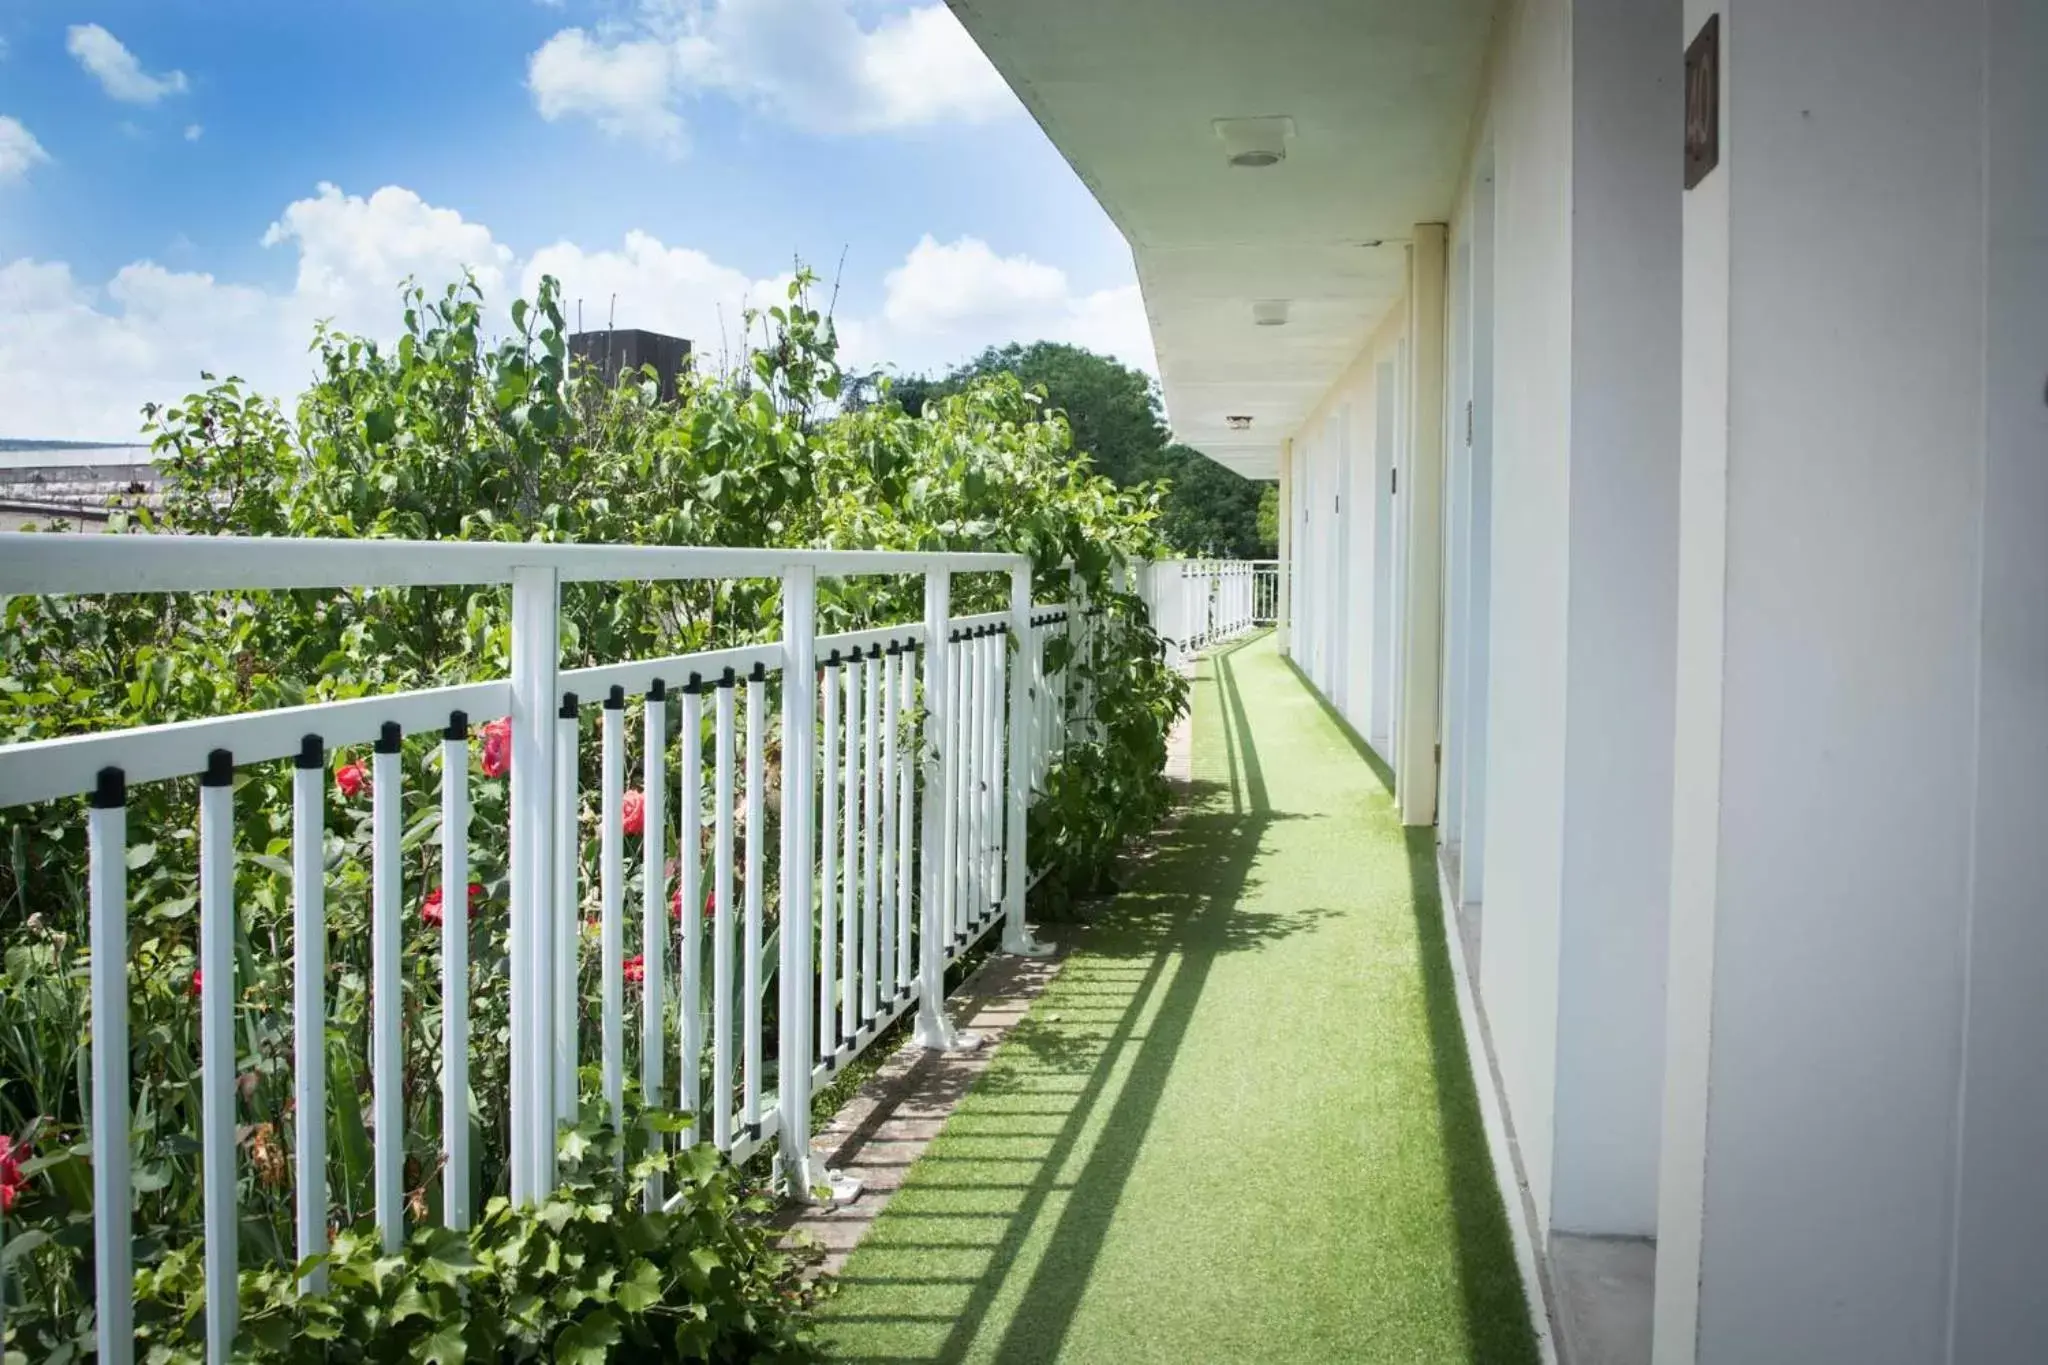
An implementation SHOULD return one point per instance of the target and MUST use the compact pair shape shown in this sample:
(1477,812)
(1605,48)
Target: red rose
(12,1154)
(430,908)
(633,812)
(636,967)
(497,758)
(349,779)
(197,983)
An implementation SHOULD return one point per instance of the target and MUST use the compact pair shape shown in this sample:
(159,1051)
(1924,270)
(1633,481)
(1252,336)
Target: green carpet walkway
(1239,1126)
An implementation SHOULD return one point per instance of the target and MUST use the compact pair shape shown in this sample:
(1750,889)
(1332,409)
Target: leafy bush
(1109,786)
(451,435)
(587,1276)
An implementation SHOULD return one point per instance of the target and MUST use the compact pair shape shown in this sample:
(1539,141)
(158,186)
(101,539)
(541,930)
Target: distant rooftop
(24,454)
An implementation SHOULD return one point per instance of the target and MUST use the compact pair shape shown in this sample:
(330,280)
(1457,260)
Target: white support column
(1421,644)
(803,1172)
(1576,212)
(934,1029)
(1856,1096)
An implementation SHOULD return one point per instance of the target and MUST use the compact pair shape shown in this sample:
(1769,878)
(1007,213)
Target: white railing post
(803,1173)
(934,1029)
(387,1014)
(654,914)
(536,657)
(309,1004)
(215,986)
(690,904)
(455,927)
(1016,859)
(112,1194)
(611,932)
(564,927)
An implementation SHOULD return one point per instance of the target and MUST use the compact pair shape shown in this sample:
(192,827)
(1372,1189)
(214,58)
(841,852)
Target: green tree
(1269,517)
(1114,414)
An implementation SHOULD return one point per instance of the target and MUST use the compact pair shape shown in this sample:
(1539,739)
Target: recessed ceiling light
(1270,312)
(1255,142)
(1238,422)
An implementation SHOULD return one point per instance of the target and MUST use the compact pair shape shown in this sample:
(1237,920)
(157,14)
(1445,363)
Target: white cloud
(78,360)
(947,300)
(116,68)
(811,63)
(19,150)
(675,290)
(354,252)
(625,86)
(193,132)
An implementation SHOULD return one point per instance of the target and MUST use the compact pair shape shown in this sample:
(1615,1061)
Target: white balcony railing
(1197,603)
(905,849)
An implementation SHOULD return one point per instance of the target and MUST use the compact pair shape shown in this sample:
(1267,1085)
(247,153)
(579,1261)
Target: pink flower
(497,759)
(633,812)
(197,983)
(636,967)
(675,904)
(12,1154)
(349,779)
(430,908)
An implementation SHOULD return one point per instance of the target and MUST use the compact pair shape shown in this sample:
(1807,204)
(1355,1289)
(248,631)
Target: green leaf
(588,1342)
(641,1288)
(445,1347)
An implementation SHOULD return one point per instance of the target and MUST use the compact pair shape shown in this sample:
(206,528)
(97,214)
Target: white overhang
(1380,94)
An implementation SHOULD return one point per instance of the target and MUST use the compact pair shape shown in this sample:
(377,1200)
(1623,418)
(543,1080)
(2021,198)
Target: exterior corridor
(1239,1125)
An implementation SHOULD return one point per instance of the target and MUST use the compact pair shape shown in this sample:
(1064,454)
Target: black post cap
(570,704)
(388,736)
(220,769)
(312,753)
(111,792)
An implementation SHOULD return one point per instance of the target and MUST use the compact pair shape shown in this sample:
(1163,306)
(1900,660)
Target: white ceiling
(1381,93)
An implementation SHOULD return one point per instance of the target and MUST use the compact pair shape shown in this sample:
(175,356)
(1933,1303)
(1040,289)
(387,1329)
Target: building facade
(1657,401)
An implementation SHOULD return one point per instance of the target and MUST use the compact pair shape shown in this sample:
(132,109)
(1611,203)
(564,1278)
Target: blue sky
(188,185)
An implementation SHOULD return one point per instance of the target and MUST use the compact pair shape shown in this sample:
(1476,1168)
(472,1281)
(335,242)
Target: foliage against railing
(977,726)
(450,436)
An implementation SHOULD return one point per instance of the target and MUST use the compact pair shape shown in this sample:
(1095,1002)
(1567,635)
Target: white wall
(1346,445)
(1621,631)
(1578,518)
(1575,861)
(1858,1100)
(1531,122)
(1999,1310)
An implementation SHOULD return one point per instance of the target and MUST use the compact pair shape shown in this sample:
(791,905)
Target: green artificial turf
(1239,1126)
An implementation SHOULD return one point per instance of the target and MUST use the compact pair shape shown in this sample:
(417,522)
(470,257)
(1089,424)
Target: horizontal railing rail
(908,754)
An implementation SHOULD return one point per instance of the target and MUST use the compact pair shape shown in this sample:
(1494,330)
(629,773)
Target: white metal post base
(819,1184)
(942,1036)
(1019,943)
